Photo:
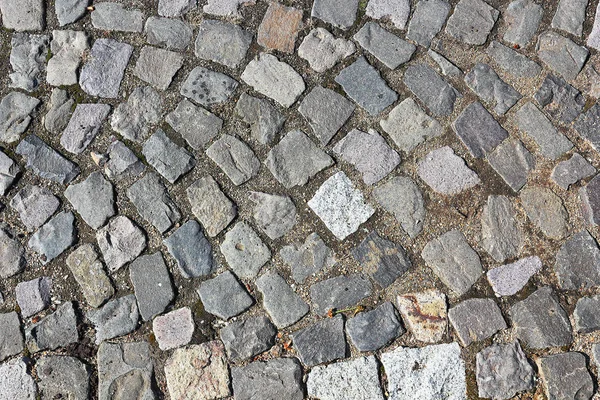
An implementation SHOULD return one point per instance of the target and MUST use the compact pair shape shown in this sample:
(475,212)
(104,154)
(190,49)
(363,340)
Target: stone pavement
(324,199)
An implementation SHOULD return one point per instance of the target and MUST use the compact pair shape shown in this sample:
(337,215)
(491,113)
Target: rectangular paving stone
(322,342)
(523,18)
(396,11)
(196,125)
(279,28)
(322,50)
(274,378)
(571,171)
(109,16)
(244,250)
(153,203)
(264,119)
(93,199)
(224,296)
(508,279)
(476,319)
(222,42)
(283,305)
(169,159)
(151,284)
(89,273)
(23,15)
(55,331)
(425,314)
(588,125)
(569,16)
(438,95)
(560,100)
(83,126)
(427,21)
(235,158)
(446,173)
(125,368)
(340,292)
(15,110)
(339,13)
(472,21)
(561,54)
(372,330)
(11,337)
(157,66)
(593,39)
(384,45)
(116,318)
(244,339)
(207,87)
(101,76)
(210,205)
(565,375)
(191,250)
(484,81)
(173,34)
(513,62)
(35,205)
(326,112)
(27,59)
(478,130)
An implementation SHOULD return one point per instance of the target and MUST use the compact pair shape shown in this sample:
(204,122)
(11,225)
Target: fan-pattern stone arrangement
(281,200)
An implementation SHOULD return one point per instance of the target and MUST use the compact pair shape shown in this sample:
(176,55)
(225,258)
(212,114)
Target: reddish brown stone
(279,28)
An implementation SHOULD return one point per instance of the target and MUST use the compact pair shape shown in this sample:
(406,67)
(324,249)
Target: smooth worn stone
(60,108)
(513,162)
(439,372)
(279,28)
(89,273)
(93,199)
(352,379)
(425,314)
(173,34)
(101,76)
(540,321)
(62,377)
(152,201)
(578,262)
(280,301)
(409,126)
(402,197)
(384,45)
(546,211)
(427,21)
(175,8)
(523,18)
(196,125)
(340,292)
(513,62)
(222,42)
(593,39)
(116,318)
(475,320)
(326,112)
(67,49)
(120,242)
(224,296)
(395,11)
(364,84)
(322,50)
(198,372)
(275,215)
(169,159)
(12,255)
(35,205)
(562,101)
(28,60)
(248,338)
(565,376)
(15,110)
(23,15)
(369,153)
(270,379)
(133,119)
(503,371)
(244,251)
(125,371)
(590,197)
(372,330)
(501,235)
(83,126)
(235,158)
(68,11)
(308,258)
(152,284)
(384,260)
(114,17)
(11,338)
(275,79)
(478,130)
(569,16)
(339,13)
(33,296)
(174,329)
(122,162)
(210,205)
(437,95)
(296,159)
(8,172)
(54,237)
(472,21)
(16,383)
(508,279)
(264,119)
(587,125)
(586,316)
(445,65)
(340,206)
(484,81)
(45,161)
(571,171)
(322,342)
(54,331)
(158,67)
(191,250)
(561,54)
(446,173)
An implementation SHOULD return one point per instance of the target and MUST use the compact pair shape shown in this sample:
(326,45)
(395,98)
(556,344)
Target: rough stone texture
(446,173)
(282,304)
(372,330)
(339,13)
(11,255)
(476,319)
(33,296)
(116,318)
(308,258)
(563,102)
(15,110)
(27,59)
(134,118)
(196,125)
(395,11)
(585,314)
(225,7)
(561,54)
(54,237)
(207,87)
(93,199)
(478,130)
(59,111)
(83,126)
(248,338)
(175,8)
(565,376)
(235,158)
(571,171)
(472,21)
(502,238)
(322,50)
(152,284)
(62,377)
(114,17)
(587,125)
(513,62)
(222,42)
(275,215)
(523,18)
(8,172)
(101,76)
(590,194)
(68,11)
(15,382)
(153,203)
(424,314)
(569,16)
(339,293)
(20,15)
(427,21)
(169,159)
(437,95)
(45,161)
(271,379)
(279,28)
(224,296)
(244,251)
(11,338)
(158,67)
(402,197)
(322,342)
(509,279)
(174,329)
(210,205)
(264,119)
(484,81)
(120,242)
(593,39)
(191,250)
(122,162)
(384,45)
(67,49)
(578,262)
(513,162)
(54,331)
(173,34)
(445,65)
(546,211)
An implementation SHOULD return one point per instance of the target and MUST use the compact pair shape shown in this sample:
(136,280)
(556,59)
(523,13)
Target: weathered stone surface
(478,130)
(571,171)
(68,11)
(54,331)
(133,118)
(8,172)
(523,18)
(275,215)
(484,81)
(402,197)
(264,119)
(169,159)
(152,284)
(339,13)
(153,203)
(175,8)
(45,161)
(224,296)
(235,158)
(546,210)
(513,62)
(431,89)
(561,54)
(222,42)
(158,67)
(20,15)
(33,296)
(586,316)
(562,101)
(83,126)
(508,279)
(384,45)
(425,314)
(593,39)
(308,258)
(101,76)
(12,255)
(565,376)
(587,125)
(120,242)
(501,235)
(248,338)
(116,318)
(427,21)
(15,382)
(225,7)
(27,59)
(15,110)
(372,330)
(271,379)
(11,338)
(446,173)
(196,125)
(322,50)
(173,34)
(191,250)
(174,329)
(340,292)
(244,251)
(590,196)
(54,237)
(321,342)
(93,199)
(446,66)
(569,16)
(121,162)
(384,260)
(210,205)
(207,87)
(395,11)
(472,21)
(280,301)
(279,28)
(67,49)
(578,262)
(109,16)
(476,319)
(513,162)
(59,112)
(62,377)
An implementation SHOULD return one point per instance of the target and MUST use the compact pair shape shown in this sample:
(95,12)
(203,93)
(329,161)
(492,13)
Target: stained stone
(427,21)
(484,81)
(274,78)
(308,258)
(12,260)
(101,76)
(472,21)
(116,318)
(244,251)
(503,371)
(133,118)
(322,342)
(279,28)
(585,314)
(16,383)
(59,111)
(210,205)
(565,376)
(546,211)
(425,314)
(395,11)
(22,15)
(372,330)
(248,338)
(296,159)
(152,284)
(120,242)
(364,84)
(476,319)
(540,321)
(35,205)
(578,263)
(28,60)
(275,215)
(169,159)
(502,238)
(508,279)
(93,199)
(402,197)
(67,49)
(68,11)
(593,39)
(264,119)
(569,16)
(195,124)
(33,296)
(513,62)
(54,237)
(339,13)
(235,158)
(280,301)
(15,110)
(270,379)
(54,331)
(340,292)
(431,89)
(340,206)
(222,42)
(523,18)
(478,130)
(384,45)
(87,270)
(384,260)
(322,50)
(152,201)
(224,296)
(11,338)
(513,162)
(8,172)
(45,161)
(571,171)
(191,250)
(175,8)
(445,172)
(158,67)
(173,34)
(114,17)
(174,329)
(562,101)
(446,66)
(561,54)
(122,162)
(83,126)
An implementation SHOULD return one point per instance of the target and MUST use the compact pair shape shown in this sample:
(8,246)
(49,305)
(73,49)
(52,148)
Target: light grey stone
(57,330)
(472,21)
(109,16)
(308,258)
(502,237)
(8,172)
(339,13)
(169,159)
(21,15)
(62,377)
(152,201)
(54,237)
(322,50)
(101,76)
(33,296)
(402,197)
(224,296)
(16,383)
(225,7)
(577,264)
(427,21)
(593,39)
(235,158)
(68,11)
(28,60)
(248,338)
(476,319)
(89,273)
(158,67)
(122,162)
(478,130)
(222,42)
(513,162)
(210,205)
(173,34)
(395,11)
(571,171)
(196,125)
(384,45)
(35,205)
(45,161)
(484,81)
(67,49)
(175,8)
(191,250)
(132,119)
(12,255)
(513,62)
(508,279)
(321,342)
(280,301)
(59,111)
(445,65)
(270,379)
(83,126)
(585,314)
(384,260)
(372,330)
(93,199)
(523,18)
(546,211)
(152,284)
(15,110)
(174,329)
(275,215)
(11,337)
(116,318)
(264,119)
(563,102)
(340,292)
(565,376)
(445,172)
(569,16)
(120,242)
(244,251)
(437,95)
(561,54)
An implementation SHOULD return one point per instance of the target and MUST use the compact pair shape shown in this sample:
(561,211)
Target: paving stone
(67,48)
(561,100)
(513,162)
(60,109)
(478,130)
(122,162)
(45,161)
(191,250)
(321,342)
(384,260)
(275,215)
(427,21)
(116,318)
(88,272)
(54,331)
(446,66)
(11,338)
(152,201)
(280,301)
(174,329)
(508,279)
(35,205)
(21,15)
(270,379)
(275,79)
(225,7)
(8,172)
(16,383)
(431,89)
(445,172)
(101,76)
(198,372)
(195,124)
(372,330)
(248,338)
(425,314)
(308,258)
(264,119)
(340,206)
(120,242)
(578,262)
(173,34)
(587,125)
(133,119)
(93,199)
(158,67)
(244,251)
(546,211)
(340,292)
(503,371)
(484,81)
(352,379)
(15,110)
(12,255)
(502,237)
(338,13)
(296,159)
(561,54)
(114,17)
(384,45)
(169,159)
(54,237)
(68,11)
(152,284)
(224,296)
(124,371)
(83,126)
(364,84)
(175,8)
(222,42)
(593,39)
(523,18)
(540,321)
(396,11)
(322,50)
(279,28)
(235,158)
(62,377)
(440,372)
(571,171)
(476,319)
(33,296)
(569,16)
(565,376)
(472,21)
(28,60)
(210,205)
(402,197)
(585,314)
(513,62)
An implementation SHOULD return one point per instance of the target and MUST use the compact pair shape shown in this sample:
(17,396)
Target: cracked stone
(59,111)
(321,342)
(475,320)
(22,15)
(210,205)
(54,331)
(224,296)
(437,95)
(132,119)
(54,237)
(384,45)
(445,65)
(472,21)
(15,110)
(280,301)
(561,100)
(546,210)
(322,50)
(174,329)
(523,18)
(67,49)
(274,378)
(152,201)
(120,242)
(308,258)
(12,255)
(45,161)
(340,292)
(571,171)
(484,81)
(35,205)
(339,13)
(244,251)
(577,264)
(169,159)
(446,173)
(275,215)
(114,17)
(62,377)
(248,338)
(158,67)
(152,284)
(116,318)
(565,376)
(33,296)
(279,28)
(28,60)
(513,62)
(509,279)
(427,21)
(11,337)
(89,273)
(222,42)
(235,158)
(196,125)
(561,54)
(83,126)
(101,76)
(372,330)
(93,199)
(478,130)
(502,238)
(191,250)
(425,314)
(402,197)
(173,34)
(122,162)
(264,119)
(513,162)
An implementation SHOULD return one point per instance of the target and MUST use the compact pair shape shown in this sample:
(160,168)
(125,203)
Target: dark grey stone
(222,42)
(153,203)
(523,18)
(152,284)
(372,330)
(484,81)
(278,378)
(59,112)
(437,95)
(121,162)
(54,237)
(83,126)
(101,76)
(208,87)
(590,201)
(28,60)
(93,199)
(561,100)
(588,125)
(472,21)
(308,258)
(402,197)
(12,255)
(235,158)
(274,215)
(134,118)
(339,13)
(565,376)
(427,21)
(322,342)
(120,241)
(561,54)
(192,251)
(195,124)
(513,62)
(8,172)
(11,337)
(571,171)
(116,318)
(33,296)
(15,110)
(62,377)
(280,301)
(264,119)
(501,236)
(68,11)
(224,296)
(340,292)
(384,260)
(577,263)
(244,251)
(513,162)
(248,338)
(35,205)
(170,33)
(54,331)
(586,314)
(109,16)
(478,130)
(476,319)
(384,45)
(210,205)
(169,159)
(157,66)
